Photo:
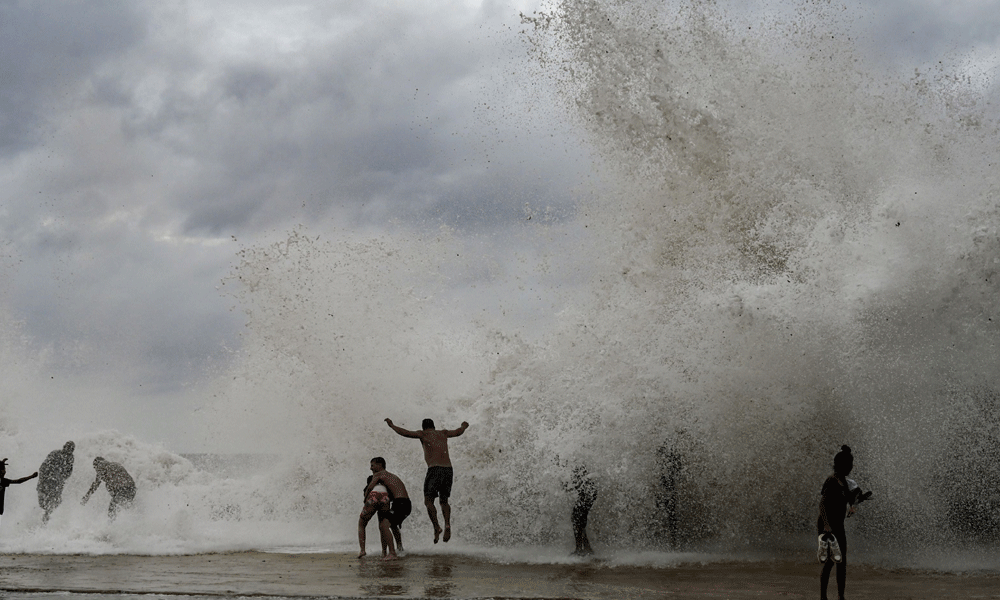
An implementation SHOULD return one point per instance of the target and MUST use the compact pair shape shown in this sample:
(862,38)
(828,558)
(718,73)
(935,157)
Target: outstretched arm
(23,479)
(401,431)
(93,488)
(457,432)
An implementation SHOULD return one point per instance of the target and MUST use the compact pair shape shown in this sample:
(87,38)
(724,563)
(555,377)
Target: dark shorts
(401,508)
(438,482)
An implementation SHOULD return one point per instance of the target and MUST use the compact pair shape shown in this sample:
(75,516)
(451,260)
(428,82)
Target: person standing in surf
(833,503)
(586,494)
(437,483)
(400,506)
(52,476)
(120,485)
(4,482)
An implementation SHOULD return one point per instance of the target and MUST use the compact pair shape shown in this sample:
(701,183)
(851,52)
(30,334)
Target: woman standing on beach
(832,512)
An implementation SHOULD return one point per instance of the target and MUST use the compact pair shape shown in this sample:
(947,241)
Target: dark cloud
(46,49)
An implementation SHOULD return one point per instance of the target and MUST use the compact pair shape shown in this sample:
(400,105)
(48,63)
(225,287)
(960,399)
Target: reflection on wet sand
(439,577)
(341,575)
(389,578)
(384,577)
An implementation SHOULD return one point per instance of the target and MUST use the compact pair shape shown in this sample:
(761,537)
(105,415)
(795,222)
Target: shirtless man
(439,477)
(400,507)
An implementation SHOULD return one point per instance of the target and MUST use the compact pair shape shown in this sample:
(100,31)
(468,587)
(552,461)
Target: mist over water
(788,247)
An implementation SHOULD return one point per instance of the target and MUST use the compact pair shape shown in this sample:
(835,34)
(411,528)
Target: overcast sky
(143,144)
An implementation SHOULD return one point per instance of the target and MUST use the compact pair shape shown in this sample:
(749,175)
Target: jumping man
(439,477)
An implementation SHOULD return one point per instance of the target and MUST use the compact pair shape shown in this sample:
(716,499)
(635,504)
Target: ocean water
(785,247)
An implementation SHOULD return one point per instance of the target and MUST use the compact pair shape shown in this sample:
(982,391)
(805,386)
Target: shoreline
(343,575)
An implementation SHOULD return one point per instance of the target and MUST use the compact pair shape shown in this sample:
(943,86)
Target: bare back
(435,445)
(391,482)
(434,441)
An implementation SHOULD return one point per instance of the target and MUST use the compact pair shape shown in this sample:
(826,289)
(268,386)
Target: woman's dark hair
(843,461)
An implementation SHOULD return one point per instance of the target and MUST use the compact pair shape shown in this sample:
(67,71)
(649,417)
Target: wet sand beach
(341,575)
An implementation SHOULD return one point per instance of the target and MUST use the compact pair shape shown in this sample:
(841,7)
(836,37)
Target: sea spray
(796,250)
(844,216)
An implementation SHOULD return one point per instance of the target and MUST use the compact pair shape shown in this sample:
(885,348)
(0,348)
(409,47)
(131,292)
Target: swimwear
(401,508)
(379,500)
(438,482)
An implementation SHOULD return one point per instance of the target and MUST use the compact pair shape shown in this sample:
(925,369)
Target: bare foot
(437,532)
(447,533)
(362,555)
(390,557)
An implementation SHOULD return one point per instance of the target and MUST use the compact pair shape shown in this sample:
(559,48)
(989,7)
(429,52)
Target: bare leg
(446,511)
(399,537)
(366,515)
(824,578)
(383,528)
(432,513)
(361,536)
(842,566)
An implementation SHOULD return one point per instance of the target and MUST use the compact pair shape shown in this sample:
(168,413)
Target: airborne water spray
(802,251)
(795,251)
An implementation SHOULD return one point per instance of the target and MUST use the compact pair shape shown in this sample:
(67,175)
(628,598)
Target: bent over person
(52,476)
(400,507)
(120,485)
(437,483)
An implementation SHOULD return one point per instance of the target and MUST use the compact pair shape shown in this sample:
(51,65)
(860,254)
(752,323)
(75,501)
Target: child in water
(4,482)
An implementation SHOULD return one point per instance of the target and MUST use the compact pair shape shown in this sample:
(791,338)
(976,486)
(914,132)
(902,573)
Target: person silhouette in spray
(120,485)
(52,476)
(440,474)
(586,494)
(4,482)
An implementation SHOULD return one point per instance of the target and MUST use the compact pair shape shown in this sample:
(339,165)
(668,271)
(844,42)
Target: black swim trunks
(401,508)
(438,482)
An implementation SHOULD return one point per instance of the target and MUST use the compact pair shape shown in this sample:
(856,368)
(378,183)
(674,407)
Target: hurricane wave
(793,248)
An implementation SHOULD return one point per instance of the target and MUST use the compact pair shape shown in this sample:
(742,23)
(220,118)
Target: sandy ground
(456,576)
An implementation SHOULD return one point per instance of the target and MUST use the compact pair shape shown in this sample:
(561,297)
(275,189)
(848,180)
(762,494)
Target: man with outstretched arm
(437,483)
